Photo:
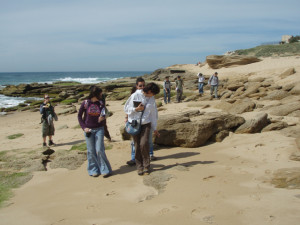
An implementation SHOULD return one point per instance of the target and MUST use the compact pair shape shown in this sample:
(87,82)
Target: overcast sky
(117,35)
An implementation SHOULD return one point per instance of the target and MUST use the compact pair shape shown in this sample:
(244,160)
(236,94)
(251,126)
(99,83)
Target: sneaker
(140,173)
(44,144)
(153,158)
(130,163)
(146,172)
(51,143)
(95,175)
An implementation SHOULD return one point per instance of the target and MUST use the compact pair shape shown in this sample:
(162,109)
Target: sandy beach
(225,183)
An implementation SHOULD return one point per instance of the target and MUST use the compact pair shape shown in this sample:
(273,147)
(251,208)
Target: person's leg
(138,155)
(180,95)
(150,143)
(132,151)
(51,133)
(93,164)
(169,96)
(106,132)
(177,95)
(144,146)
(216,91)
(211,90)
(201,88)
(105,167)
(165,96)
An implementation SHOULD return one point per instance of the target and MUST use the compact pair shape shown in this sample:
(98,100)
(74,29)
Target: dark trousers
(106,132)
(141,144)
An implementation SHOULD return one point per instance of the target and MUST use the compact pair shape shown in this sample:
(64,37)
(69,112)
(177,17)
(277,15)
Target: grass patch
(66,83)
(79,147)
(108,147)
(14,136)
(271,50)
(77,127)
(10,180)
(69,101)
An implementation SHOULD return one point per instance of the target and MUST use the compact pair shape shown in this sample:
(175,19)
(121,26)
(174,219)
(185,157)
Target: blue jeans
(150,143)
(167,96)
(200,86)
(214,88)
(97,160)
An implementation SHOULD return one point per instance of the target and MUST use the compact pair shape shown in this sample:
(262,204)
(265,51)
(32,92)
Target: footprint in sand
(111,193)
(167,210)
(93,207)
(199,213)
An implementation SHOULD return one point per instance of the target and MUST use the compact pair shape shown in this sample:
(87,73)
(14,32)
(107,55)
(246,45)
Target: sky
(134,35)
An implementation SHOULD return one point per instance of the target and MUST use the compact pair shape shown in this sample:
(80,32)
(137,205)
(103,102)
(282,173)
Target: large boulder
(285,109)
(296,89)
(194,130)
(219,61)
(254,125)
(276,95)
(238,107)
(287,73)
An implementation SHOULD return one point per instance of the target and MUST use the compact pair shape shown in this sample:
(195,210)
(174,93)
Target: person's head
(216,74)
(46,98)
(167,78)
(140,83)
(95,92)
(151,89)
(200,74)
(178,77)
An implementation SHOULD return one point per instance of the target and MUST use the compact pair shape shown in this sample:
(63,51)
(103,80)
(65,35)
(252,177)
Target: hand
(156,133)
(141,107)
(101,118)
(87,130)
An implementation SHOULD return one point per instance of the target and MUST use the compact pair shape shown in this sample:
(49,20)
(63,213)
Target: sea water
(51,77)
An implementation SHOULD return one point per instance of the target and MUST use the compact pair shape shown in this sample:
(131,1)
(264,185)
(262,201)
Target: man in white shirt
(201,80)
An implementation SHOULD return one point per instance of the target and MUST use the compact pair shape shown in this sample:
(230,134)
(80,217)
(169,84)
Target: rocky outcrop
(219,61)
(287,73)
(194,130)
(285,109)
(254,125)
(238,107)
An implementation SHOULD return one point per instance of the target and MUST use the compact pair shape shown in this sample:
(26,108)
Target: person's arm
(80,116)
(42,109)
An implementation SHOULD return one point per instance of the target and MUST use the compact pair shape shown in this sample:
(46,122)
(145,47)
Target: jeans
(150,145)
(97,160)
(167,96)
(200,86)
(214,88)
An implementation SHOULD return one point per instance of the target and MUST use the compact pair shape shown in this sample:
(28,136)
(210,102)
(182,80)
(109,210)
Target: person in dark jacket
(48,114)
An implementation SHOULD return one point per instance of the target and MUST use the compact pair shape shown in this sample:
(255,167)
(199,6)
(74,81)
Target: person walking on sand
(91,116)
(179,88)
(213,81)
(140,84)
(201,80)
(48,114)
(167,90)
(148,121)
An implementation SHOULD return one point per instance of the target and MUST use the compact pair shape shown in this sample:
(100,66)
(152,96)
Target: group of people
(92,116)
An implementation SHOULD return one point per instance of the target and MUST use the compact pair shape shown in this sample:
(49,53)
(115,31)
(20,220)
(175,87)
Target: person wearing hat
(201,80)
(167,90)
(213,81)
(179,88)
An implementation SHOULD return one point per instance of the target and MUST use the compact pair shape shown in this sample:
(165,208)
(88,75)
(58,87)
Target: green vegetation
(62,83)
(77,127)
(14,136)
(69,101)
(9,180)
(272,50)
(79,147)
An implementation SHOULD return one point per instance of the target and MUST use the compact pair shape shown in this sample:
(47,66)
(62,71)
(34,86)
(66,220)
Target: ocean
(50,77)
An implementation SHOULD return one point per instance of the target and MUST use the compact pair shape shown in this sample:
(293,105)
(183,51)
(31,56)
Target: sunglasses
(141,86)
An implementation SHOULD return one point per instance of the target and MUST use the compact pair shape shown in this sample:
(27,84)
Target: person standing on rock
(91,117)
(213,81)
(179,88)
(167,90)
(48,114)
(201,80)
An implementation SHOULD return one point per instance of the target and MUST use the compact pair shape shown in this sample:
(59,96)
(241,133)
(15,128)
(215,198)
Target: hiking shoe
(95,175)
(153,158)
(106,175)
(130,163)
(51,143)
(44,144)
(140,173)
(146,172)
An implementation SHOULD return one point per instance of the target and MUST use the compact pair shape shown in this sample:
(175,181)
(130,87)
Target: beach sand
(219,183)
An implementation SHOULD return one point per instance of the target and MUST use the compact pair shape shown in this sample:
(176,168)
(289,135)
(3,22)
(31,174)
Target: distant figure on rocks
(213,81)
(201,80)
(48,115)
(91,117)
(167,90)
(179,88)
